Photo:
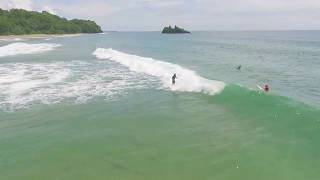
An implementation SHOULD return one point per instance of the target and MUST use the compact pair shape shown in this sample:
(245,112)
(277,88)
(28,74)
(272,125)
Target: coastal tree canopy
(19,21)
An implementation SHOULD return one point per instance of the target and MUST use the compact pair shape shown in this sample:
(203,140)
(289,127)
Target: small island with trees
(22,22)
(175,30)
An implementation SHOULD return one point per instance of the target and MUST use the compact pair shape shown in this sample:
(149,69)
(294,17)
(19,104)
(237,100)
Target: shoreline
(35,36)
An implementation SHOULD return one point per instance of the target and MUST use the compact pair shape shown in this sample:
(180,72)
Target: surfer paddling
(174,77)
(265,88)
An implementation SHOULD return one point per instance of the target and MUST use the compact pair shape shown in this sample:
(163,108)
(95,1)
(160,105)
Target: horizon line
(279,30)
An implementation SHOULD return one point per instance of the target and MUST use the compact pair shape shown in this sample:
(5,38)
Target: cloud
(49,9)
(21,4)
(17,4)
(29,5)
(84,9)
(261,6)
(160,3)
(191,14)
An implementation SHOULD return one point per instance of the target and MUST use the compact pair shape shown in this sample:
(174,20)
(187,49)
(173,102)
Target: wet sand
(33,36)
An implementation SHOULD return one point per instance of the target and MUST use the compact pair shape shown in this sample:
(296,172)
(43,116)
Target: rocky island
(21,22)
(175,30)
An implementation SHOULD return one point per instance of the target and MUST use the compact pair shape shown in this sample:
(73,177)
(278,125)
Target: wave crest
(188,80)
(25,48)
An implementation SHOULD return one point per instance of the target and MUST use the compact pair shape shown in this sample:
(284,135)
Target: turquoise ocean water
(102,106)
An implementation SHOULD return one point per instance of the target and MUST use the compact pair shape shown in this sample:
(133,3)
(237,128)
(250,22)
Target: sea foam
(187,80)
(10,39)
(25,48)
(26,84)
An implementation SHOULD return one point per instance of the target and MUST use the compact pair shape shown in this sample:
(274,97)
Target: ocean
(102,106)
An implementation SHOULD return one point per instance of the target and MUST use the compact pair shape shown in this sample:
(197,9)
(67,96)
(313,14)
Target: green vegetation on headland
(19,21)
(175,30)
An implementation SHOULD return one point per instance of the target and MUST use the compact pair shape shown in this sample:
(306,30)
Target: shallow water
(67,113)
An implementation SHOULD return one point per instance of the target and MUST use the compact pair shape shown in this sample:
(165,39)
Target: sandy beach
(34,36)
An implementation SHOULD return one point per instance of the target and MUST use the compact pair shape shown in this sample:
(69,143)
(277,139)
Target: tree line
(19,21)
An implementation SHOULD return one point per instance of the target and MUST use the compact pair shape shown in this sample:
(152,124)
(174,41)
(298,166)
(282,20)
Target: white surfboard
(260,88)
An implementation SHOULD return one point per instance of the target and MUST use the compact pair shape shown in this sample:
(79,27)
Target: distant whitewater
(10,39)
(25,48)
(187,80)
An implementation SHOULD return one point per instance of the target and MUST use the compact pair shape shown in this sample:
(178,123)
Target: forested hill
(19,21)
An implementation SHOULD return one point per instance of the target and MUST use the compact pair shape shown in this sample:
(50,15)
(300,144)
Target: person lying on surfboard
(264,88)
(174,77)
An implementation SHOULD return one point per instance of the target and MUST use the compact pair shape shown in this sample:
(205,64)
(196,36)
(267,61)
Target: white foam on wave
(188,80)
(10,39)
(25,84)
(25,48)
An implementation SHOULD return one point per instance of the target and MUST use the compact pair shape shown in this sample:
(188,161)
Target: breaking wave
(25,48)
(187,80)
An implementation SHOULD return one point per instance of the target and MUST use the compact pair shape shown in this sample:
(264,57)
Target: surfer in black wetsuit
(174,77)
(239,67)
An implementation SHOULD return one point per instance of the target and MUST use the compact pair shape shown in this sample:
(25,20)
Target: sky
(153,15)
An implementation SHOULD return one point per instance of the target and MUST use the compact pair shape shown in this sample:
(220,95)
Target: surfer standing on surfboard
(174,77)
